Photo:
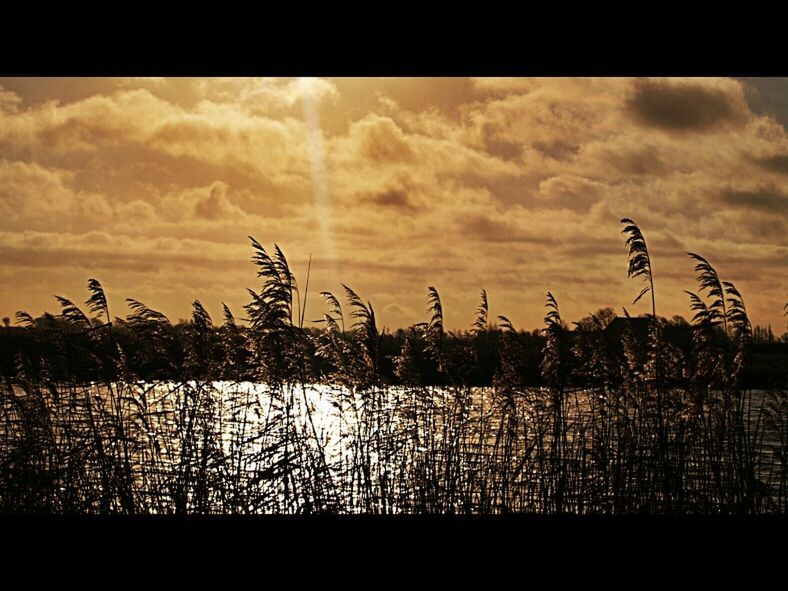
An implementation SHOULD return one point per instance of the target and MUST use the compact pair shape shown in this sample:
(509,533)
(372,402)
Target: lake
(224,447)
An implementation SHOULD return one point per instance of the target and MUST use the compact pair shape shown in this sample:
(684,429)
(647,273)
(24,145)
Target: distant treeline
(54,348)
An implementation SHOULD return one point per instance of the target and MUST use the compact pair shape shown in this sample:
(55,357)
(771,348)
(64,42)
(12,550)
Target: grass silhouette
(137,415)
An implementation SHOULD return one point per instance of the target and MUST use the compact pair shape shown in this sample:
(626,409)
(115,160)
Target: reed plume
(709,281)
(639,261)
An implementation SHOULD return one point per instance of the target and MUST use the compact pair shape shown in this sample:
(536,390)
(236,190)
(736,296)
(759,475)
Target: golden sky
(513,185)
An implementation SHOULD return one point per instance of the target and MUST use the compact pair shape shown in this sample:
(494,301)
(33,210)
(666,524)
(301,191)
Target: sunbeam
(317,159)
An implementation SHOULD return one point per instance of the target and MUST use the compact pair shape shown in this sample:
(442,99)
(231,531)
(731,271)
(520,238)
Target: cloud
(9,101)
(393,199)
(571,191)
(216,205)
(142,81)
(486,228)
(266,95)
(680,105)
(380,139)
(637,159)
(504,86)
(102,250)
(35,197)
(212,204)
(769,199)
(556,149)
(777,163)
(516,185)
(136,212)
(400,311)
(217,134)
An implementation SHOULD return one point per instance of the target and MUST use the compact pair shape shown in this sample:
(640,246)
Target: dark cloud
(769,199)
(482,227)
(778,163)
(767,96)
(394,199)
(216,205)
(503,149)
(684,106)
(557,149)
(583,248)
(497,145)
(642,161)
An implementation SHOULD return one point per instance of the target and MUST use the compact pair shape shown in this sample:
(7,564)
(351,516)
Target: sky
(393,185)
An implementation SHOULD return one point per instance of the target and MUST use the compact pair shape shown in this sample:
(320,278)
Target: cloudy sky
(393,185)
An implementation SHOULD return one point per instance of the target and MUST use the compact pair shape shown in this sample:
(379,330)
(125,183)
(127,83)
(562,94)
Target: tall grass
(266,416)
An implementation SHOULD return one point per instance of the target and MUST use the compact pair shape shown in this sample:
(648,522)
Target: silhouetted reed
(263,415)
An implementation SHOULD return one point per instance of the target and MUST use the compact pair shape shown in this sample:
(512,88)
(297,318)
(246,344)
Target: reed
(262,415)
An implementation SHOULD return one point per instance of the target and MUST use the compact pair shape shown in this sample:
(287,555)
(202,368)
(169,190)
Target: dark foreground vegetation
(615,415)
